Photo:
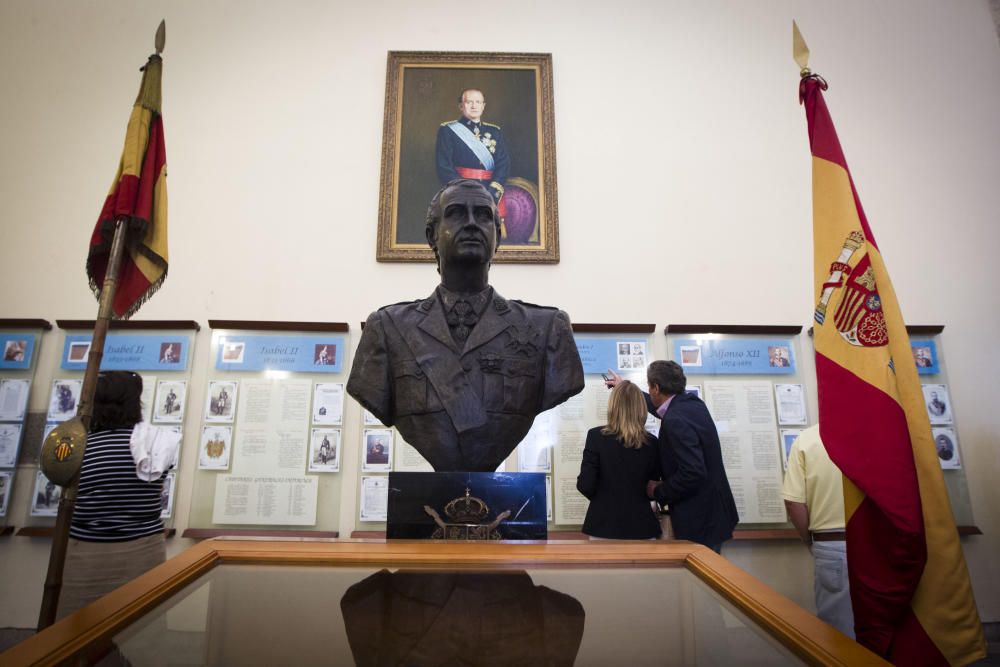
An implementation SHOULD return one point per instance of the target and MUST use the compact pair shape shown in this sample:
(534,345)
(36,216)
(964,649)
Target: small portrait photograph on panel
(778,356)
(690,355)
(377,449)
(170,353)
(324,450)
(167,495)
(625,363)
(64,399)
(46,497)
(946,444)
(216,444)
(78,351)
(221,401)
(325,355)
(937,402)
(328,403)
(232,353)
(922,356)
(169,404)
(14,350)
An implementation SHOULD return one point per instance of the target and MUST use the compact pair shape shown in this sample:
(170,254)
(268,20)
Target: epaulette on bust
(401,303)
(500,304)
(533,305)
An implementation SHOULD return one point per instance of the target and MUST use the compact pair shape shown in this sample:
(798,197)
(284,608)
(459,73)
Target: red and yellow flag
(139,195)
(910,588)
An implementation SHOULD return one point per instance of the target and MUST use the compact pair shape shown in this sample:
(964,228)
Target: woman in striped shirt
(116,533)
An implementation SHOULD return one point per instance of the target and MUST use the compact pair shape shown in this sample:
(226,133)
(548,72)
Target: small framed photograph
(64,399)
(691,355)
(377,454)
(232,352)
(374,498)
(938,403)
(6,481)
(216,445)
(788,436)
(693,390)
(169,405)
(78,351)
(946,444)
(324,450)
(170,352)
(15,350)
(167,495)
(790,400)
(14,399)
(324,354)
(328,403)
(221,401)
(45,501)
(778,356)
(924,356)
(10,440)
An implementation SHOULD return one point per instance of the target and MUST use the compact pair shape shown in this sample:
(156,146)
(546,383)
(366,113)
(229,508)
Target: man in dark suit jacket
(694,485)
(463,373)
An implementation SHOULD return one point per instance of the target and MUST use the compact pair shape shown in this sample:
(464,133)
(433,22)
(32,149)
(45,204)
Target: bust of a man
(462,373)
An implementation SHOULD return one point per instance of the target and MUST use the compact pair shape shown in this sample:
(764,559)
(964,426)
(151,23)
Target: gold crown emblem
(467,509)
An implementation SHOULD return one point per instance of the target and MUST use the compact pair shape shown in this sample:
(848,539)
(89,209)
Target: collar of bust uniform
(479,300)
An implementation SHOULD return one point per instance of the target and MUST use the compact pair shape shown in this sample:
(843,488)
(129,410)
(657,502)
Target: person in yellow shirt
(814,497)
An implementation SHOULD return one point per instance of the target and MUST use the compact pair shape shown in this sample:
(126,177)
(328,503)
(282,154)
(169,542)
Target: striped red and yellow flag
(139,195)
(910,588)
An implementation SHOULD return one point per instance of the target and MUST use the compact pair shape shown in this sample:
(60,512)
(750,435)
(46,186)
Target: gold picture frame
(422,94)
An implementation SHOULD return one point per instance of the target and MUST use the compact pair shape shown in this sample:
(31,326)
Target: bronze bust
(462,373)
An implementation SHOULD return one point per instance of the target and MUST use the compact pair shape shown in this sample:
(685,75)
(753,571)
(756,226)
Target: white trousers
(833,593)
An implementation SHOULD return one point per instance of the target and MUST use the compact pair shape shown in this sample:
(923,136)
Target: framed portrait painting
(484,116)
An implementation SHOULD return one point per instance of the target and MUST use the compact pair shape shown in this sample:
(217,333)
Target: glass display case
(313,601)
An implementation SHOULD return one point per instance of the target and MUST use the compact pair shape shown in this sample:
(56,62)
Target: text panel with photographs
(19,344)
(271,433)
(754,386)
(159,356)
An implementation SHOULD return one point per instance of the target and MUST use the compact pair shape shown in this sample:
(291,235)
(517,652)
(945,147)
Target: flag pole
(67,501)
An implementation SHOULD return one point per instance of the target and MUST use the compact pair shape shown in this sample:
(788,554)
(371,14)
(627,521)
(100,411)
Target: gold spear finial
(800,52)
(161,36)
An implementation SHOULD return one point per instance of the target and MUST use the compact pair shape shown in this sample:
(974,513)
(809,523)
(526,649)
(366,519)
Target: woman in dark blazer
(618,460)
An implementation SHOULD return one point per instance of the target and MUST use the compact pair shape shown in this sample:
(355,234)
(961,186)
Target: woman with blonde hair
(618,460)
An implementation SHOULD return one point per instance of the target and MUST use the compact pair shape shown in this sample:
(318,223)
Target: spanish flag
(139,196)
(910,588)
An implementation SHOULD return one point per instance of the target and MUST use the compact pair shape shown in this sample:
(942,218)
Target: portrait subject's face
(473,104)
(467,230)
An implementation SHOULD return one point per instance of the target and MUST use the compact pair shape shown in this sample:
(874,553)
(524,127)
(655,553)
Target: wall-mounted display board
(158,350)
(271,439)
(19,345)
(756,384)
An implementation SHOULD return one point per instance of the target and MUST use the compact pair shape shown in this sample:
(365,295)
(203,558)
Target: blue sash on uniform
(474,144)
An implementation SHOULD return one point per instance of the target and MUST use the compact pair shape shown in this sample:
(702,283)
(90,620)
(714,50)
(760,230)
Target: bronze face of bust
(462,373)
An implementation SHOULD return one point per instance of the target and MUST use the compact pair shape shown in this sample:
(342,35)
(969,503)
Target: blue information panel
(143,352)
(925,356)
(299,354)
(16,350)
(620,355)
(735,356)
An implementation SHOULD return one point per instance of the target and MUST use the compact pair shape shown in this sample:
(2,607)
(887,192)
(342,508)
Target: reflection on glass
(339,615)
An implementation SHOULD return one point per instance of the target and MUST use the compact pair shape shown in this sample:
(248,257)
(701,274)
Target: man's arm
(443,156)
(691,472)
(798,514)
(590,470)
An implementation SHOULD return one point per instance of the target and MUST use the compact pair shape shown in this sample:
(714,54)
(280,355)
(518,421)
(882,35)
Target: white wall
(683,170)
